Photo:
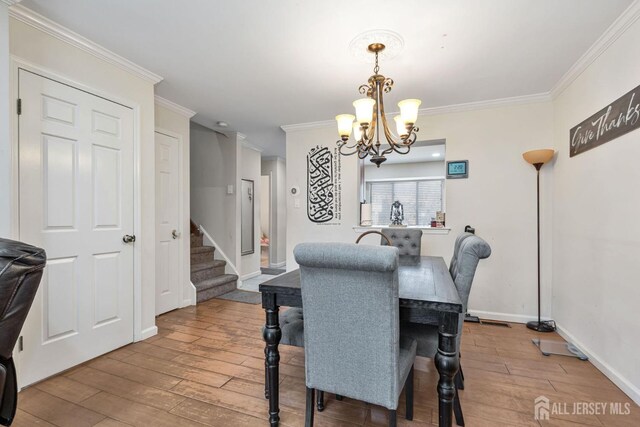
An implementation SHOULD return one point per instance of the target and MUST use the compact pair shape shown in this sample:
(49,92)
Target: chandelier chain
(377,67)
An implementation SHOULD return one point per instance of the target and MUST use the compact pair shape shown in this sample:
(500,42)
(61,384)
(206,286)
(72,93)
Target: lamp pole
(547,326)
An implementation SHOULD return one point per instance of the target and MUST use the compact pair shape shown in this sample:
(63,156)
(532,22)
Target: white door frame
(16,64)
(184,232)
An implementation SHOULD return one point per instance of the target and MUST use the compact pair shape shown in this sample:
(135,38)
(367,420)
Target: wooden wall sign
(614,120)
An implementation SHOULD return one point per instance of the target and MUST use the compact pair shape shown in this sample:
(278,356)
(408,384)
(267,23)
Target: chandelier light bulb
(409,110)
(344,125)
(357,131)
(364,110)
(400,126)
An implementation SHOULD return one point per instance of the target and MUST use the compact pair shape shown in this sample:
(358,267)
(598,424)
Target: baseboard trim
(625,385)
(504,317)
(148,333)
(250,275)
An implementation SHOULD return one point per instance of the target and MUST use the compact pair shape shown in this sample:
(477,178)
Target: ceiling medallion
(393,45)
(366,129)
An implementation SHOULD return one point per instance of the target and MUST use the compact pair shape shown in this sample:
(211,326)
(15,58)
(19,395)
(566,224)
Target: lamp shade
(344,124)
(409,110)
(364,110)
(538,156)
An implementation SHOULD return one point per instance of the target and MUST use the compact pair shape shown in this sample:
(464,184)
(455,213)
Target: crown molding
(483,105)
(179,109)
(615,30)
(10,2)
(64,34)
(250,146)
(446,109)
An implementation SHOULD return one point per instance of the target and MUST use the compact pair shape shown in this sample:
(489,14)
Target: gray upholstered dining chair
(352,339)
(469,249)
(407,240)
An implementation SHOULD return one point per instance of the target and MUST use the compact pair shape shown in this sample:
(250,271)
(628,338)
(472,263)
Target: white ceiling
(260,64)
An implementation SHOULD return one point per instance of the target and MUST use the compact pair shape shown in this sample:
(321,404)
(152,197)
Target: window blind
(420,200)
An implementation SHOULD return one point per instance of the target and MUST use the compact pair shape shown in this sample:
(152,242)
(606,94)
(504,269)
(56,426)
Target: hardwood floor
(205,367)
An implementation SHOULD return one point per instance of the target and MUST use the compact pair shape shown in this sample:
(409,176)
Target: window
(421,199)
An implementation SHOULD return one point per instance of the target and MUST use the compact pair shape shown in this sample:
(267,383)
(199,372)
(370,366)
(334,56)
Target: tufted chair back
(453,265)
(346,288)
(407,240)
(471,251)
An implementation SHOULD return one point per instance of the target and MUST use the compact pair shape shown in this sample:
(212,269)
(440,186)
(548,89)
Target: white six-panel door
(76,201)
(168,224)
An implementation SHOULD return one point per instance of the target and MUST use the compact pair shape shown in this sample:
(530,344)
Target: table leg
(447,363)
(272,335)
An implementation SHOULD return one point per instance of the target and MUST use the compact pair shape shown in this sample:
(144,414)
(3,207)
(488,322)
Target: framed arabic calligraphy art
(323,186)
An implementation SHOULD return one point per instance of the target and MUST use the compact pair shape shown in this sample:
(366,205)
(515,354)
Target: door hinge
(19,106)
(20,343)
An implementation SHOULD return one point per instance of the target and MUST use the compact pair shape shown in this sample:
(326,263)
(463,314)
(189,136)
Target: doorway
(169,260)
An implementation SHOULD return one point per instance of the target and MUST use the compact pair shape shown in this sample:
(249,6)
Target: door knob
(175,234)
(127,238)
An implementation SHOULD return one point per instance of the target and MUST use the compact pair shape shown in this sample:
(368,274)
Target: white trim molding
(250,275)
(425,230)
(624,384)
(148,333)
(219,250)
(446,109)
(503,317)
(170,105)
(615,30)
(176,108)
(64,34)
(10,2)
(250,146)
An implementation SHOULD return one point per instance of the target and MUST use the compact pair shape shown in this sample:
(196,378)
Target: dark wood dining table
(427,296)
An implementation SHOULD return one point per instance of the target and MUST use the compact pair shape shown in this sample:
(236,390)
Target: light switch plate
(230,189)
(296,203)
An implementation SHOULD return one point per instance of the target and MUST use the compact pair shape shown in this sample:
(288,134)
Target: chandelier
(369,112)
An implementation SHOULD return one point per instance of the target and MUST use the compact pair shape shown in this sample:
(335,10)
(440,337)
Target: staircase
(207,273)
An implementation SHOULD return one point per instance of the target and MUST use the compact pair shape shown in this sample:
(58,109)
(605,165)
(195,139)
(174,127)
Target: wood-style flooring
(206,367)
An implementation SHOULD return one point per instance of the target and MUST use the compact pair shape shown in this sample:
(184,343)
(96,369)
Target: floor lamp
(538,158)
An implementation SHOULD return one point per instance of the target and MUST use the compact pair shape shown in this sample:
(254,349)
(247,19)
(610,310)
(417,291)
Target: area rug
(246,297)
(272,271)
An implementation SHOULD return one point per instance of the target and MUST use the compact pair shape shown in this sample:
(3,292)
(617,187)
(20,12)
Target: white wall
(299,228)
(57,57)
(276,168)
(404,170)
(596,212)
(178,124)
(213,167)
(498,199)
(5,141)
(250,169)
